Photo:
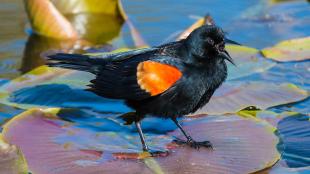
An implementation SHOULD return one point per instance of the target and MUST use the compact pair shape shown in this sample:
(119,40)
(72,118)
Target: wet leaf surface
(293,132)
(247,62)
(290,50)
(234,96)
(240,145)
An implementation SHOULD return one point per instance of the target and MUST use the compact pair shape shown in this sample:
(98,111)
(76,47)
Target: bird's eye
(210,41)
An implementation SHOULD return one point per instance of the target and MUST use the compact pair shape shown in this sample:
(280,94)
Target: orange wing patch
(156,78)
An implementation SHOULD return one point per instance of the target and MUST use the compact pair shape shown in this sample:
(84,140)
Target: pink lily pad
(51,145)
(247,62)
(293,132)
(231,97)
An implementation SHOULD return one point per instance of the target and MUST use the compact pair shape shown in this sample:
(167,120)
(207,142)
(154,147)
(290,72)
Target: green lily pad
(290,50)
(240,145)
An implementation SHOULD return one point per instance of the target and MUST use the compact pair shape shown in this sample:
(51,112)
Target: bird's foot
(142,155)
(195,144)
(156,153)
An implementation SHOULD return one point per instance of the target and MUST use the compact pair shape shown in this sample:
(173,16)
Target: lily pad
(293,132)
(231,97)
(12,160)
(110,7)
(240,146)
(290,50)
(247,62)
(46,20)
(74,20)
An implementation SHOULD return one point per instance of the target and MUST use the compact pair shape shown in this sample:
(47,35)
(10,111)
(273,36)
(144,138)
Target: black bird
(167,81)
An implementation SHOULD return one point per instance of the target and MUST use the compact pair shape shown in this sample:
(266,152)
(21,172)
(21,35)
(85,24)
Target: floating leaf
(271,117)
(109,7)
(12,160)
(231,97)
(39,75)
(290,50)
(293,131)
(240,145)
(74,20)
(247,62)
(46,20)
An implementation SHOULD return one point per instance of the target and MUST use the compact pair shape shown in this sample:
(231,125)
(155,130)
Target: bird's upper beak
(225,55)
(231,42)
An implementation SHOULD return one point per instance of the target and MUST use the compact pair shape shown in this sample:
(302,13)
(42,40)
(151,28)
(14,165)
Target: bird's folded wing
(137,78)
(155,78)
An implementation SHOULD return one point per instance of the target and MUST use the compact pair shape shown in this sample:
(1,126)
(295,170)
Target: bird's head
(208,42)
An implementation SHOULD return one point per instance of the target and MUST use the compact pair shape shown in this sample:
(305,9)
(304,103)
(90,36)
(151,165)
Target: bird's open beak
(231,42)
(224,54)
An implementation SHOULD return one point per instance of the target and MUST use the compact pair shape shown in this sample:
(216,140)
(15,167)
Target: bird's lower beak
(224,54)
(231,42)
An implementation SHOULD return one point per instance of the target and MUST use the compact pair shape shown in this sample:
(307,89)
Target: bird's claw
(195,144)
(154,153)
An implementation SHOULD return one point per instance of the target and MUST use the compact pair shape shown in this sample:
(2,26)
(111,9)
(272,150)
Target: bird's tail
(75,61)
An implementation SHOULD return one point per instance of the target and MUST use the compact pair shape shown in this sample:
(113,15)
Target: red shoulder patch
(155,78)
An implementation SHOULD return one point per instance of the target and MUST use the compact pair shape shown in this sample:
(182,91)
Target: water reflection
(95,31)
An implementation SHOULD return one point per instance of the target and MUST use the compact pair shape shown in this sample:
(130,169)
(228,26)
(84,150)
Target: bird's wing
(137,78)
(128,54)
(92,63)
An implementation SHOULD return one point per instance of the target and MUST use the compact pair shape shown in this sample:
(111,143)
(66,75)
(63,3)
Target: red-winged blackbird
(167,81)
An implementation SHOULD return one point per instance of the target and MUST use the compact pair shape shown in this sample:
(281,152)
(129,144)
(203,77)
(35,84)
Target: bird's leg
(142,138)
(190,140)
(145,148)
